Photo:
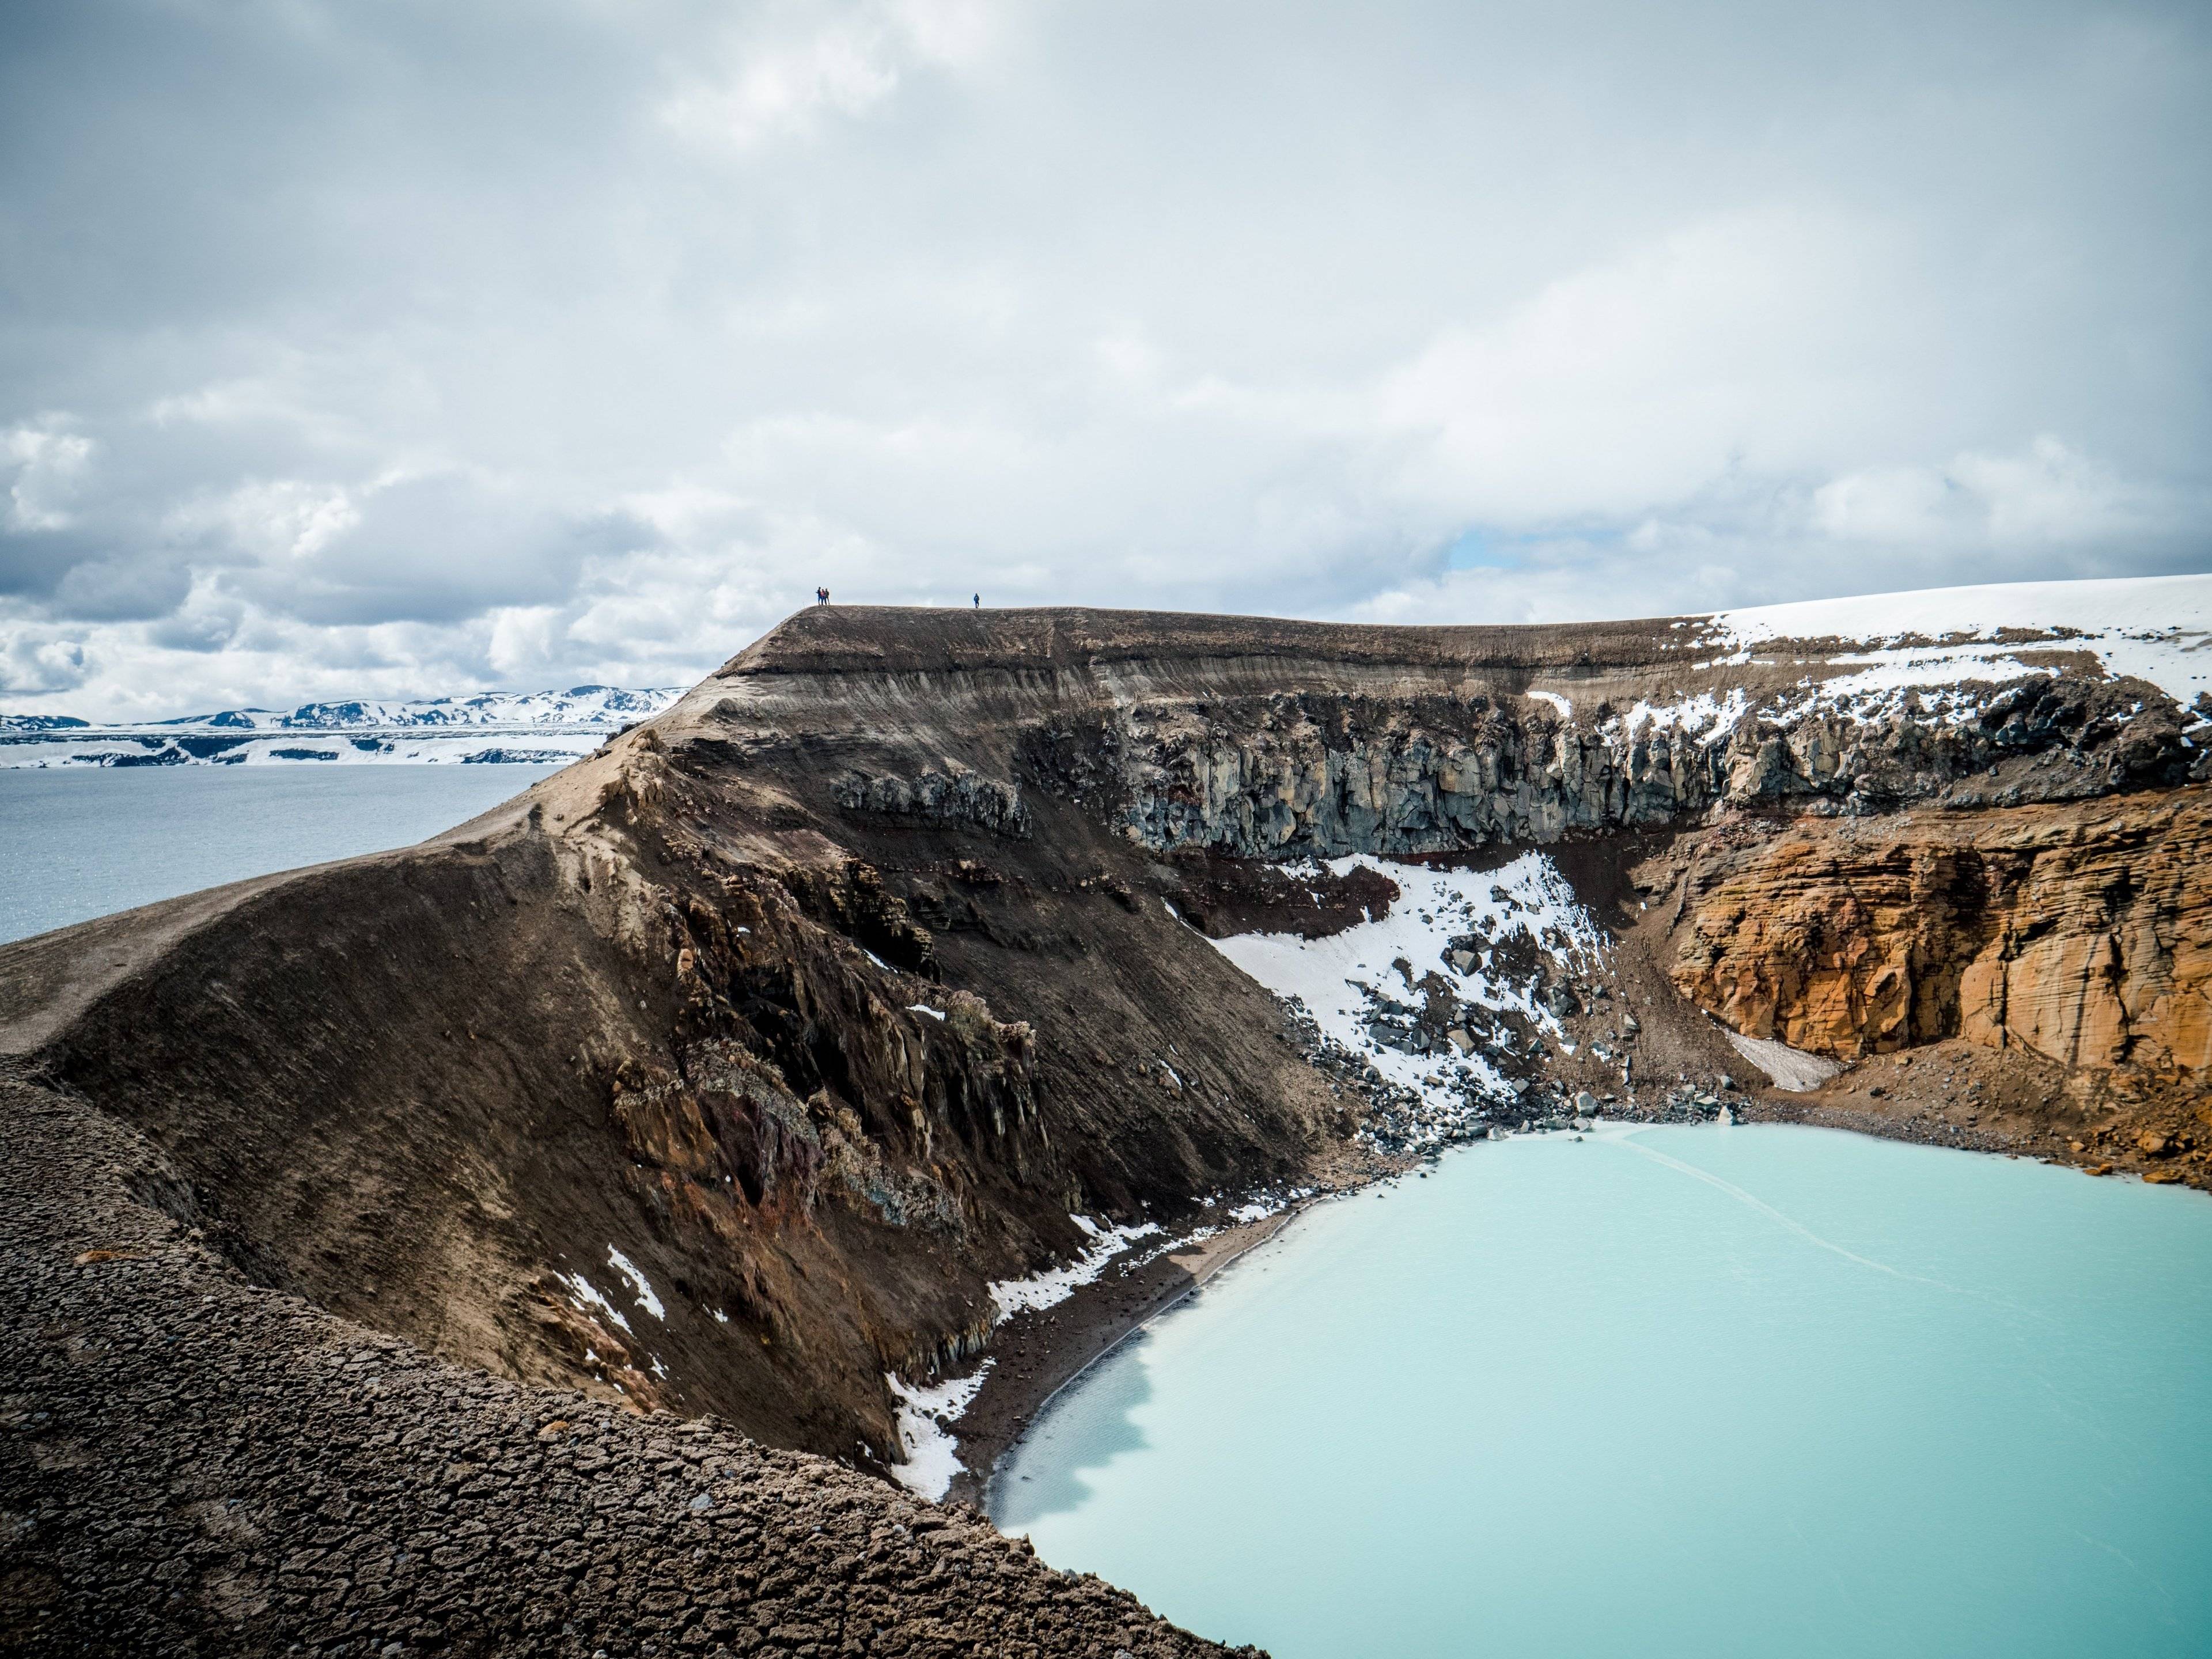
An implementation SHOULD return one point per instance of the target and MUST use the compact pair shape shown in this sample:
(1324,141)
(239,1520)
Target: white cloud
(49,462)
(2042,496)
(1730,344)
(277,519)
(36,661)
(772,82)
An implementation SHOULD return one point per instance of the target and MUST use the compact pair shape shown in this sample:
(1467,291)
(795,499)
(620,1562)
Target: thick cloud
(418,347)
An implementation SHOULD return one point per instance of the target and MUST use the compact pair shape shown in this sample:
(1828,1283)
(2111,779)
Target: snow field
(1340,979)
(2156,628)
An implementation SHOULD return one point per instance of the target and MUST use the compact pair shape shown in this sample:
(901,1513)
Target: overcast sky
(417,347)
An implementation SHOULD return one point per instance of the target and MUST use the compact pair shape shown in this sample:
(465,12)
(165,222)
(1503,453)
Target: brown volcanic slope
(824,998)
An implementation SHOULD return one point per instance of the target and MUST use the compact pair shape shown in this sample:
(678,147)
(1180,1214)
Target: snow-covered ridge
(2157,628)
(520,726)
(599,707)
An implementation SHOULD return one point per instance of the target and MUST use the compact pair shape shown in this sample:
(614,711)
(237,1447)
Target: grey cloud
(435,549)
(440,345)
(35,562)
(198,631)
(121,589)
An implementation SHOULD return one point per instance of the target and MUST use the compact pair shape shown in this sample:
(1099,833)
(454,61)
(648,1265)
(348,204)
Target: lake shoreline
(1038,1355)
(1531,1343)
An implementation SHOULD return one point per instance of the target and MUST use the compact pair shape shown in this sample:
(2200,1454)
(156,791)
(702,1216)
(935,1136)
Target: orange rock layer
(2081,932)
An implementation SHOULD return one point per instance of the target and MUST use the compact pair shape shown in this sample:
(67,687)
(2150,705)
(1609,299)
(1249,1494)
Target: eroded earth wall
(2081,933)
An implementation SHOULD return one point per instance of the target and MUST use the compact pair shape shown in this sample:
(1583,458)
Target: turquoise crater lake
(1728,1390)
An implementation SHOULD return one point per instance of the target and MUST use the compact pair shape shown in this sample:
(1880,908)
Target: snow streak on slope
(1358,986)
(2157,628)
(926,1414)
(1055,1285)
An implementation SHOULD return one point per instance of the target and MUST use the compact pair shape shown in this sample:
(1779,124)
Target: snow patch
(932,1456)
(1701,716)
(1790,1068)
(586,1295)
(1566,709)
(2156,628)
(644,1295)
(1334,976)
(924,1008)
(1055,1284)
(1346,981)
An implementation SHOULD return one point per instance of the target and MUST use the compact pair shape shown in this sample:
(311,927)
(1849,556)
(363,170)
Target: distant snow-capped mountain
(539,727)
(596,708)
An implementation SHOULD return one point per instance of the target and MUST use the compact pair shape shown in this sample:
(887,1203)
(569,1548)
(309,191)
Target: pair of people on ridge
(822,597)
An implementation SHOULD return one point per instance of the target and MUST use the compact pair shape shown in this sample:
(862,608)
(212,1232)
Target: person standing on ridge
(979,601)
(821,596)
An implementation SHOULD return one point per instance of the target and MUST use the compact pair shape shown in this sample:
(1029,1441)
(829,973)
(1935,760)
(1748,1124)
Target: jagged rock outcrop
(945,799)
(1306,774)
(2081,933)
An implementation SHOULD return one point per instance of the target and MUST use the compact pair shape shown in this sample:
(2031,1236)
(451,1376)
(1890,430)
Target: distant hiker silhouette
(821,596)
(979,601)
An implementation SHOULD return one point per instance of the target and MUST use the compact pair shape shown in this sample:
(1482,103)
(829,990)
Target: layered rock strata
(2082,934)
(1302,773)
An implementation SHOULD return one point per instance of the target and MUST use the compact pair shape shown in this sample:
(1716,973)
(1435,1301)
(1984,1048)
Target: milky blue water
(79,843)
(1697,1392)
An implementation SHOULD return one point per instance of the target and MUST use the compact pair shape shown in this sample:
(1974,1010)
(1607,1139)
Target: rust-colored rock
(2081,932)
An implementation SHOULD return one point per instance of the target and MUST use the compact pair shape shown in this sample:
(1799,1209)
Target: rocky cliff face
(2082,934)
(1301,773)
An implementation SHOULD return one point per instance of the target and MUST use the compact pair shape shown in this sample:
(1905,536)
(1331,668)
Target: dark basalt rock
(1308,775)
(945,800)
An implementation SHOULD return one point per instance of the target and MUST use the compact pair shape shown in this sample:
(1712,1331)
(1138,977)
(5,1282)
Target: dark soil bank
(188,1465)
